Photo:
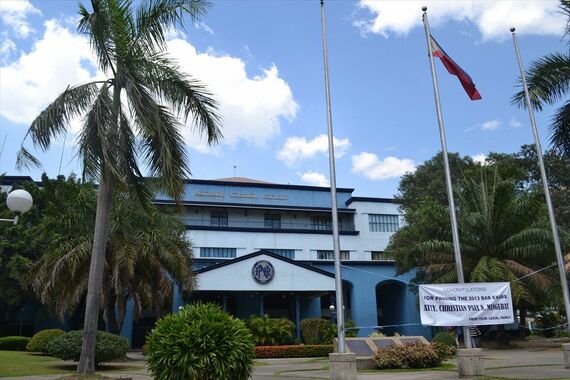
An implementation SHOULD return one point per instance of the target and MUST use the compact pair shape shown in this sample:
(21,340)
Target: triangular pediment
(251,273)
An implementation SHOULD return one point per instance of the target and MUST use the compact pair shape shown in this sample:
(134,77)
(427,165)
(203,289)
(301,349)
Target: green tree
(548,82)
(129,118)
(146,253)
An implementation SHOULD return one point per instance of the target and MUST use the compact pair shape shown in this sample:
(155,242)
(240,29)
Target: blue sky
(263,62)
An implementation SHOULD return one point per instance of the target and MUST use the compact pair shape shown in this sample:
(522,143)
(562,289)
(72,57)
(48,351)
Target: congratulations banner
(485,303)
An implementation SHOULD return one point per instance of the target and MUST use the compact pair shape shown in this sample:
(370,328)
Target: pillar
(298,316)
(470,362)
(177,300)
(127,327)
(225,302)
(261,308)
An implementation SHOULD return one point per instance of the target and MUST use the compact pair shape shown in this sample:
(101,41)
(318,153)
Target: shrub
(412,355)
(271,331)
(444,338)
(547,322)
(40,341)
(297,351)
(315,330)
(200,342)
(108,347)
(14,343)
(350,331)
(443,351)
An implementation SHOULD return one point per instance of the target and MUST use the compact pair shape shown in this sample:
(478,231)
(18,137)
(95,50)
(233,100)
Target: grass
(18,363)
(84,377)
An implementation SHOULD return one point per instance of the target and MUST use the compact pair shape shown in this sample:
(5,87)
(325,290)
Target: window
(219,219)
(383,223)
(321,222)
(272,221)
(329,255)
(217,252)
(288,253)
(381,256)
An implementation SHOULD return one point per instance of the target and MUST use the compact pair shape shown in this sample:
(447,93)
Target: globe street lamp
(19,202)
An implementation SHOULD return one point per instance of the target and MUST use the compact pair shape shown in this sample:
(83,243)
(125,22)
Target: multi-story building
(262,248)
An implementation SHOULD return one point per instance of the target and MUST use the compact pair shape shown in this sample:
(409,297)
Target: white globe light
(19,201)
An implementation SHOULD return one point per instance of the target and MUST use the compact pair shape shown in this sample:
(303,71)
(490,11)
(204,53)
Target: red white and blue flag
(454,69)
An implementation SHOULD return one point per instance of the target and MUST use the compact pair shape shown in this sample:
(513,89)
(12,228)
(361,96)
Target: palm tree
(146,252)
(130,118)
(504,236)
(548,83)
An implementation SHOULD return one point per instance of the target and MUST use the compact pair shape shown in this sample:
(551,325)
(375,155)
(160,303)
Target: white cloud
(314,178)
(492,18)
(205,27)
(491,125)
(7,47)
(297,148)
(60,58)
(14,13)
(479,158)
(252,107)
(514,123)
(370,166)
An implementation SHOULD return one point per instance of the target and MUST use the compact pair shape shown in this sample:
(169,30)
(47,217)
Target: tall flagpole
(452,214)
(557,249)
(336,240)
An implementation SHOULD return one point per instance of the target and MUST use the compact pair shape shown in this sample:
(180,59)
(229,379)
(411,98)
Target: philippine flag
(454,69)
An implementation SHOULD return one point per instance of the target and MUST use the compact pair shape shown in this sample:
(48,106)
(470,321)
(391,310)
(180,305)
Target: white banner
(485,303)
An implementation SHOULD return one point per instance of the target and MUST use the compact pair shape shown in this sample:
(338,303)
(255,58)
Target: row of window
(377,222)
(228,253)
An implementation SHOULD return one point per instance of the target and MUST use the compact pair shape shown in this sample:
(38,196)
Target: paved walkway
(520,364)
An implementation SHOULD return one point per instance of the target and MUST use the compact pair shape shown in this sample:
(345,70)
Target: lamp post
(332,309)
(19,202)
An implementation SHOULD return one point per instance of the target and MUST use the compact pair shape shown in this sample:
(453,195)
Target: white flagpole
(452,214)
(557,249)
(336,240)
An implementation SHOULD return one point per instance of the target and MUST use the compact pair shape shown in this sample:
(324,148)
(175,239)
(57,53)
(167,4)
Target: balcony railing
(261,224)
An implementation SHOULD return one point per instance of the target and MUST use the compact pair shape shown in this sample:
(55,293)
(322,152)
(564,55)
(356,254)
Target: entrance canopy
(264,271)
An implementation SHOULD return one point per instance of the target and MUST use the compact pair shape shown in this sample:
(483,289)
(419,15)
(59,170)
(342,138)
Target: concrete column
(298,316)
(225,302)
(566,351)
(342,366)
(177,300)
(261,308)
(127,327)
(470,362)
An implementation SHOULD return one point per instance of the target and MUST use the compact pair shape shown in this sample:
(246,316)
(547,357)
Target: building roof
(241,180)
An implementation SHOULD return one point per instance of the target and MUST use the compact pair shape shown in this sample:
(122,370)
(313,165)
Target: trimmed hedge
(412,355)
(40,341)
(443,351)
(14,343)
(296,351)
(108,347)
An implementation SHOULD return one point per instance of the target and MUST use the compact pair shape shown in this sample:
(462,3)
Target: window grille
(381,256)
(272,221)
(219,219)
(383,223)
(288,253)
(218,252)
(321,222)
(329,255)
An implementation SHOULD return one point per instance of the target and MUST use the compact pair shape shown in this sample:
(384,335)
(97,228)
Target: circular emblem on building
(262,271)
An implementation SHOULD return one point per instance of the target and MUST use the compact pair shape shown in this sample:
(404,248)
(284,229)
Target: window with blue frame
(226,253)
(219,219)
(273,221)
(288,253)
(383,223)
(329,255)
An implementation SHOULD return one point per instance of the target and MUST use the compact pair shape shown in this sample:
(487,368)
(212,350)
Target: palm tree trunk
(93,301)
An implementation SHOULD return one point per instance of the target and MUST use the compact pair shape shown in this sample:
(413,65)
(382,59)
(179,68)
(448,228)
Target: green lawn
(16,363)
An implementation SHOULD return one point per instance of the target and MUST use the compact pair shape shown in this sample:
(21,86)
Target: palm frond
(548,81)
(26,160)
(97,25)
(154,18)
(185,95)
(162,144)
(560,130)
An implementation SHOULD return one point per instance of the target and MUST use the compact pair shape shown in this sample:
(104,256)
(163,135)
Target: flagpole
(557,249)
(336,240)
(452,214)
